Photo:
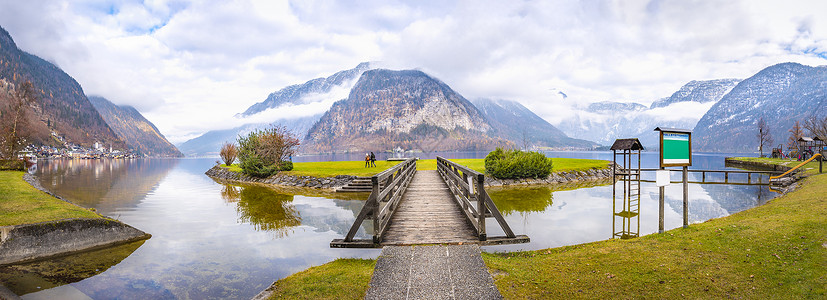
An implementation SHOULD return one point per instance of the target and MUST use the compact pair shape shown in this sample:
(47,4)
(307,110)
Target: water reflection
(522,200)
(209,240)
(553,217)
(263,208)
(106,184)
(37,276)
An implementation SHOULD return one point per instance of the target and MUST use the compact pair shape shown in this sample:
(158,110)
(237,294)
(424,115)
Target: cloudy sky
(190,66)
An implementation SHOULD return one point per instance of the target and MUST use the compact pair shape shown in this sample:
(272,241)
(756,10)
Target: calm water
(212,240)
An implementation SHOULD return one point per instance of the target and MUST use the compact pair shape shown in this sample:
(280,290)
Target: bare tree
(12,140)
(764,136)
(817,126)
(228,153)
(278,144)
(795,134)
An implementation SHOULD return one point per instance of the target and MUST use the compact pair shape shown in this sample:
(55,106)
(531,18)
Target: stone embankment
(555,178)
(30,242)
(218,172)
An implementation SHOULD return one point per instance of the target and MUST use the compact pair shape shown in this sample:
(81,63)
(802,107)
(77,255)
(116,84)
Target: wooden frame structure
(630,177)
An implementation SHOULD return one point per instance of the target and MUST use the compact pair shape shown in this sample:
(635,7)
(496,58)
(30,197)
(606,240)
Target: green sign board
(675,147)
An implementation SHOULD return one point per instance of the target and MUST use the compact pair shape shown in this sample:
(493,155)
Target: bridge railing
(468,188)
(387,189)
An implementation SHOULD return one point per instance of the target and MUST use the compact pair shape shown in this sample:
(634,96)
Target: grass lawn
(339,279)
(20,203)
(357,168)
(774,251)
(810,168)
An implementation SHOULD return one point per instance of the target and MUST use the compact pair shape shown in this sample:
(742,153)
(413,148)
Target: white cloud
(187,64)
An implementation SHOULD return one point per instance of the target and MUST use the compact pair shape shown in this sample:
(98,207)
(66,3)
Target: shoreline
(21,243)
(564,177)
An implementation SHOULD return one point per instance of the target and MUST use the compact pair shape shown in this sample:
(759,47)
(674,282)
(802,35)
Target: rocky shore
(555,178)
(218,172)
(221,173)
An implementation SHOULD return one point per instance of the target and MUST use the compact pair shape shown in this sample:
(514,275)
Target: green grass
(809,169)
(20,203)
(357,168)
(339,279)
(774,251)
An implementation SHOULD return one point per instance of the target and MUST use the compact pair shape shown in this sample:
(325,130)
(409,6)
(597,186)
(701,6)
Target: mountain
(699,91)
(62,106)
(139,133)
(781,94)
(513,121)
(316,91)
(209,143)
(604,122)
(296,94)
(408,109)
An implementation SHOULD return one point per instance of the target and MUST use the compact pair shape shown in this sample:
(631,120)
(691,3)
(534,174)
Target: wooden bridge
(445,206)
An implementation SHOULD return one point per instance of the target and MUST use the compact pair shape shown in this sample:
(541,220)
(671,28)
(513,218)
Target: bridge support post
(375,210)
(482,209)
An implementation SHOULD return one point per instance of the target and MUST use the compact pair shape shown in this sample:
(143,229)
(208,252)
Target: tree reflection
(522,199)
(230,193)
(264,208)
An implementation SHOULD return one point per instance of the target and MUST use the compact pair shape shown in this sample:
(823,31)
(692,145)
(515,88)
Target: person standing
(367,160)
(372,159)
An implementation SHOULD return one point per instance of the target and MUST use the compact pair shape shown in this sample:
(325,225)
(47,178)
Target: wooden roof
(673,129)
(627,144)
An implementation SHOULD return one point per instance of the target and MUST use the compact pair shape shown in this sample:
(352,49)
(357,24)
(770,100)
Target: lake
(212,240)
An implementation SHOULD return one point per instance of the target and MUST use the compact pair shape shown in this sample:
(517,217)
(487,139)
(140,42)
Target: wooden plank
(427,213)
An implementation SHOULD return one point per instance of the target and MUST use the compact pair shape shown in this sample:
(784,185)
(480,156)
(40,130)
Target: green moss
(21,203)
(339,279)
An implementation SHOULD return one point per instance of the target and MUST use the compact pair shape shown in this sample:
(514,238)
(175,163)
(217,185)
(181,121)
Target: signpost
(675,151)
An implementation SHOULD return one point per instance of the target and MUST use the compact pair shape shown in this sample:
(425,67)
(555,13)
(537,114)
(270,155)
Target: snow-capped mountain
(603,122)
(781,94)
(699,91)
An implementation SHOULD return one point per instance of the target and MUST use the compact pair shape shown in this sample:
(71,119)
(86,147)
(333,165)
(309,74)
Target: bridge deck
(428,214)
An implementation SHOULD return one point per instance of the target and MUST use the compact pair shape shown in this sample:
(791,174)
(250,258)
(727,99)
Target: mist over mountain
(61,106)
(603,122)
(295,94)
(139,134)
(781,94)
(209,143)
(278,109)
(512,121)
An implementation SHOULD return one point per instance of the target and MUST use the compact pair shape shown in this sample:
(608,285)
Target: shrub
(228,153)
(264,152)
(516,164)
